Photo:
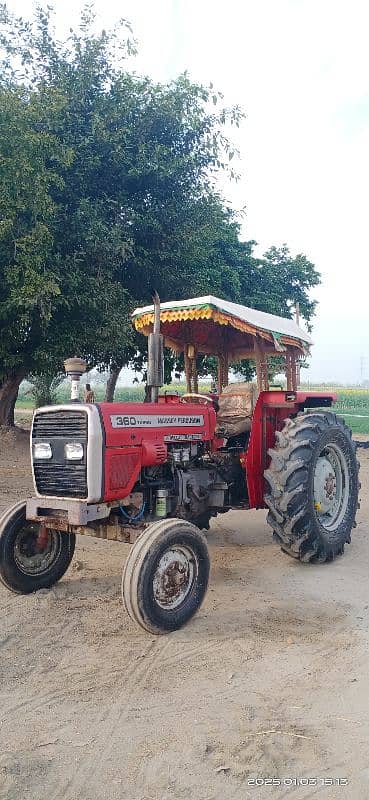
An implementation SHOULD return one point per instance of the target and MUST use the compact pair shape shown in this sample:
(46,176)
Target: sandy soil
(270,679)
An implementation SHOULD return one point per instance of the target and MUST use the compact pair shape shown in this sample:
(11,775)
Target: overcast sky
(300,69)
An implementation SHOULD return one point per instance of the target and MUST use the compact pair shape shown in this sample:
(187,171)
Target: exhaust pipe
(155,363)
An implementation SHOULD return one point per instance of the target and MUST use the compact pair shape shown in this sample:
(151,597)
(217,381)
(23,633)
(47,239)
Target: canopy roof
(215,325)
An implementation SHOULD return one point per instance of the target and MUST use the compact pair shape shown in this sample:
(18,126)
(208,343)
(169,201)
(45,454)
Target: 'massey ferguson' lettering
(155,421)
(180,420)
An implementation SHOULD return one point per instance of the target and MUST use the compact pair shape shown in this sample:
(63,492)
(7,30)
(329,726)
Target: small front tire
(30,559)
(166,575)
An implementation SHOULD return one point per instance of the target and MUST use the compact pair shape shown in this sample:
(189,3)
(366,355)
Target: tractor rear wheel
(31,557)
(313,486)
(166,575)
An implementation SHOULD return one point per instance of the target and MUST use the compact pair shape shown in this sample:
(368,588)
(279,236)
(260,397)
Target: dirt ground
(269,680)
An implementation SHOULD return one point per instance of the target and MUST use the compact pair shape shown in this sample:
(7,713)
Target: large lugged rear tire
(313,486)
(31,559)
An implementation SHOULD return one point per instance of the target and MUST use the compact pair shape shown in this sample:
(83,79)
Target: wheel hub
(35,549)
(174,577)
(325,486)
(331,486)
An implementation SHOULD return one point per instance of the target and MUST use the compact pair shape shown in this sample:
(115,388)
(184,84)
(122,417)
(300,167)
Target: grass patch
(24,402)
(357,424)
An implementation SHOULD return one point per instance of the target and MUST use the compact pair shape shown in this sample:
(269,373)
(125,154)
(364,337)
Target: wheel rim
(35,551)
(175,576)
(331,487)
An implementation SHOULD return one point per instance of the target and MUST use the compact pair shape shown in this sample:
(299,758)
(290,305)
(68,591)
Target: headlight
(73,451)
(42,450)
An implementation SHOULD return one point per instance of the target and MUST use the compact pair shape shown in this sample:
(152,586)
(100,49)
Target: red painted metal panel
(122,468)
(136,435)
(272,408)
(138,422)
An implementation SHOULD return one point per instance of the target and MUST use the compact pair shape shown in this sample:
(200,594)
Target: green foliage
(109,189)
(29,286)
(44,388)
(61,393)
(281,280)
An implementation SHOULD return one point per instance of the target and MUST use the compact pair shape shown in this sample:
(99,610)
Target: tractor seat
(236,407)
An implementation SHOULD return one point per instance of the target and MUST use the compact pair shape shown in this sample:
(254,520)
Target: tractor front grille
(58,477)
(61,480)
(60,425)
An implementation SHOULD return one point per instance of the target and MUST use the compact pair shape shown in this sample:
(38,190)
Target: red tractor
(154,473)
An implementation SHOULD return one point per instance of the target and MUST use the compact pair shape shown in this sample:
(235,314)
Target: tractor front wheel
(313,486)
(31,557)
(166,575)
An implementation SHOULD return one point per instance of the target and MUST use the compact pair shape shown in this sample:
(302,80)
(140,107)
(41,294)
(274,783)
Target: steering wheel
(201,399)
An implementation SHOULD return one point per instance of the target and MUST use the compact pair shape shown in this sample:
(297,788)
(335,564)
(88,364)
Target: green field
(352,403)
(123,394)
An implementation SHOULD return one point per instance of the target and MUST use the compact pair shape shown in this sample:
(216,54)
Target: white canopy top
(260,319)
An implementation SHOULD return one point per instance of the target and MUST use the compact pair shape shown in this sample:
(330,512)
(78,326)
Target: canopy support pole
(223,368)
(187,364)
(261,361)
(192,380)
(291,371)
(195,379)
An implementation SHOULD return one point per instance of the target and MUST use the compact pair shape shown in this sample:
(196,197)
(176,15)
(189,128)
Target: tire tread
(287,479)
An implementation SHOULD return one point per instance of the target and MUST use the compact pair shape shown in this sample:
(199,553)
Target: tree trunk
(9,387)
(110,385)
(11,418)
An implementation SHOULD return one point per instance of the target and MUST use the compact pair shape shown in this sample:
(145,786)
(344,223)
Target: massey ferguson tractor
(155,473)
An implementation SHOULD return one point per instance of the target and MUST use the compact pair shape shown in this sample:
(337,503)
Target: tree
(280,280)
(29,160)
(110,190)
(276,283)
(44,387)
(111,384)
(126,169)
